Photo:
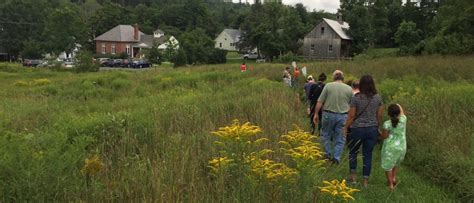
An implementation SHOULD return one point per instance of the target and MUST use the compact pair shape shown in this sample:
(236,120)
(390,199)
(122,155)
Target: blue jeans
(331,131)
(367,137)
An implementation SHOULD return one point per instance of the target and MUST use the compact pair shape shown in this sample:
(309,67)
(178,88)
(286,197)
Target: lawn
(146,135)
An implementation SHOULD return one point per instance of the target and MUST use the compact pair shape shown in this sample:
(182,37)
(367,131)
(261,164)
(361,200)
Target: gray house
(328,40)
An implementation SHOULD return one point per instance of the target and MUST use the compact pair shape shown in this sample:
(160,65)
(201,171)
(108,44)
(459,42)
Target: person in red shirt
(243,67)
(296,75)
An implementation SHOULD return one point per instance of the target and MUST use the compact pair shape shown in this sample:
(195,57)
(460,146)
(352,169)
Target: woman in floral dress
(394,145)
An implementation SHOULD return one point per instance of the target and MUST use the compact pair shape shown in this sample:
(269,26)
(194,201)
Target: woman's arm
(384,134)
(401,110)
(380,111)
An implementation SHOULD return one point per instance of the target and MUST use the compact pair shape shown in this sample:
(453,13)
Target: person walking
(243,67)
(296,76)
(306,87)
(365,115)
(334,101)
(287,76)
(394,145)
(314,92)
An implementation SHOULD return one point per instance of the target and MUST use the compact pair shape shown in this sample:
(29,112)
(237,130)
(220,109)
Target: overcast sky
(327,5)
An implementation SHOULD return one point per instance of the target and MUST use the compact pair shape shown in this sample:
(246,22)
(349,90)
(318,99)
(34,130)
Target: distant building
(228,40)
(328,40)
(129,39)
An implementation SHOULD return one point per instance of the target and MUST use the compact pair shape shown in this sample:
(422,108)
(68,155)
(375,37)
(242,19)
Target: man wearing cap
(334,101)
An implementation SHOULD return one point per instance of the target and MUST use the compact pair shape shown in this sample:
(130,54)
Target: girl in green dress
(394,145)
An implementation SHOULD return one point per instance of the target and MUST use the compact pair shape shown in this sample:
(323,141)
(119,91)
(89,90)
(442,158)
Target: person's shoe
(335,161)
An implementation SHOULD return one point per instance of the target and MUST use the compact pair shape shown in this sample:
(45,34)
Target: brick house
(129,39)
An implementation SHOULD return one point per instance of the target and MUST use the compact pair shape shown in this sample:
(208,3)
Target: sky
(327,5)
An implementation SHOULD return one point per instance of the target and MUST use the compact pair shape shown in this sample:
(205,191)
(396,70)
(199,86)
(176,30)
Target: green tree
(21,21)
(408,37)
(65,29)
(455,29)
(154,55)
(357,15)
(32,49)
(194,43)
(109,16)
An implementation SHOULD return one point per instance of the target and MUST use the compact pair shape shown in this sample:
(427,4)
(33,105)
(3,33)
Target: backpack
(315,91)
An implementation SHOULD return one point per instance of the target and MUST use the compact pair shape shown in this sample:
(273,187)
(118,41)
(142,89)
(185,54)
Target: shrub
(180,58)
(85,62)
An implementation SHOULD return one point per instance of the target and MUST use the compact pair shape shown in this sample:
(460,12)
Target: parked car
(117,63)
(252,55)
(140,64)
(32,62)
(68,63)
(102,61)
(127,63)
(107,63)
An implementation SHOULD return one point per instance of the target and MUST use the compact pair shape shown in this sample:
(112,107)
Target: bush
(85,62)
(216,56)
(288,58)
(180,58)
(450,44)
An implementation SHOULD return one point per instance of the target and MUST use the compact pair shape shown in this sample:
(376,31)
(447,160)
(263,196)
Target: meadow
(146,136)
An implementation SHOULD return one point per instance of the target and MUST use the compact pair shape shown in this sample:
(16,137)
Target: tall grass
(151,130)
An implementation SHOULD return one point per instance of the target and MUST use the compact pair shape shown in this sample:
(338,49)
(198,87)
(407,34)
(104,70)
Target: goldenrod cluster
(237,131)
(219,163)
(338,189)
(299,145)
(92,166)
(272,171)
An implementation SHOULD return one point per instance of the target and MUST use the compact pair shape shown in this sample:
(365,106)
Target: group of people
(290,78)
(352,113)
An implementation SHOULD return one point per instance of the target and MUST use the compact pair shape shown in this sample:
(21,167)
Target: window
(113,49)
(127,49)
(220,44)
(231,44)
(330,48)
(225,39)
(322,30)
(312,47)
(104,49)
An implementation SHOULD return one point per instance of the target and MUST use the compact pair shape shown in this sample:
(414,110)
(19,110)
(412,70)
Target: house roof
(120,33)
(233,33)
(338,28)
(146,41)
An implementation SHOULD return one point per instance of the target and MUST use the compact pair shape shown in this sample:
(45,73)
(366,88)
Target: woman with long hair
(365,115)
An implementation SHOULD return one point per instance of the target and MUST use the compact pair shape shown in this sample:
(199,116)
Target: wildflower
(271,170)
(338,189)
(43,81)
(219,163)
(21,83)
(237,131)
(92,166)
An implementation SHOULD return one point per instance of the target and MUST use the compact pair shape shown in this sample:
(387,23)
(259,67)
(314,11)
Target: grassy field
(145,136)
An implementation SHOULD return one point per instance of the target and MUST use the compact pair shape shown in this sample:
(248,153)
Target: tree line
(32,27)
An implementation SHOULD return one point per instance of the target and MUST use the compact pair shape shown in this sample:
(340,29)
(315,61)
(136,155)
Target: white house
(228,39)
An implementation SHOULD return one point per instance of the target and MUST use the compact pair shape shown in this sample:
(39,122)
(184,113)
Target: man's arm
(317,109)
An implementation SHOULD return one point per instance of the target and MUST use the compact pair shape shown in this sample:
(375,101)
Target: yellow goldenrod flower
(338,189)
(92,166)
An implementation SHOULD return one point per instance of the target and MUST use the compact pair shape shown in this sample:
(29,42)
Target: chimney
(339,18)
(136,32)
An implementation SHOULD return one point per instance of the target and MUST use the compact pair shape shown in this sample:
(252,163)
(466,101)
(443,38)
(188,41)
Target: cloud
(327,5)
